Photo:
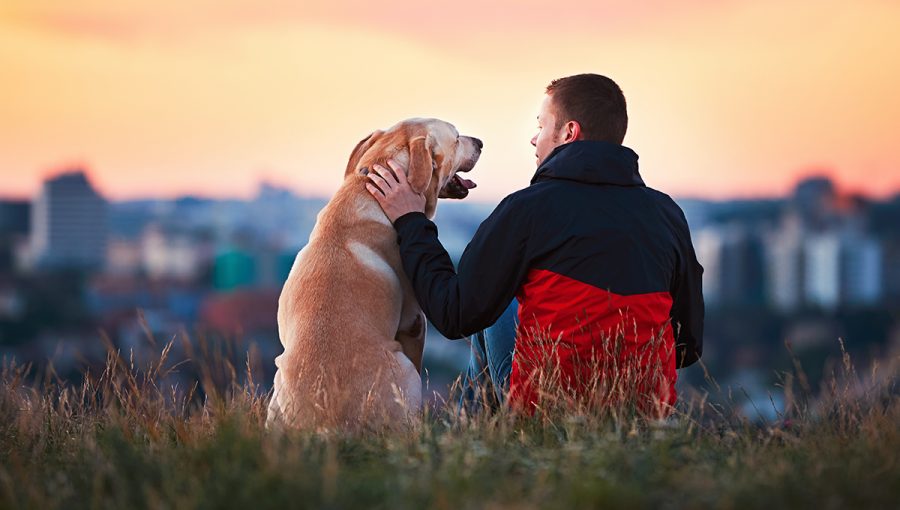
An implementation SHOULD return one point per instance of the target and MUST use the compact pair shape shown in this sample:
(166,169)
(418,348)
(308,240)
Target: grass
(126,438)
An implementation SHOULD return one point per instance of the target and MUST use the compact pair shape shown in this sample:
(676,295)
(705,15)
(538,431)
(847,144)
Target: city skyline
(816,246)
(727,99)
(263,182)
(805,268)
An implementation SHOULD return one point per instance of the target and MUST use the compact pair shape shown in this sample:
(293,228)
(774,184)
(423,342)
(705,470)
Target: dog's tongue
(466,182)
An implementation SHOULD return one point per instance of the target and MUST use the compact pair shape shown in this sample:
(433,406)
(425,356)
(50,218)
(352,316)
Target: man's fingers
(375,185)
(375,191)
(379,181)
(392,191)
(383,173)
(399,171)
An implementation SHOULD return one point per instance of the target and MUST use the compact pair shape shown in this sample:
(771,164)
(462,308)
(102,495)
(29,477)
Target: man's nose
(534,140)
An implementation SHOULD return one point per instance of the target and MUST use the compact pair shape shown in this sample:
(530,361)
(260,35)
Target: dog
(352,331)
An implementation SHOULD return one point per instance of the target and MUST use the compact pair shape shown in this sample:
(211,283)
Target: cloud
(452,22)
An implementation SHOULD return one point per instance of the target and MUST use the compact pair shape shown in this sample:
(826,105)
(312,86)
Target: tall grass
(128,437)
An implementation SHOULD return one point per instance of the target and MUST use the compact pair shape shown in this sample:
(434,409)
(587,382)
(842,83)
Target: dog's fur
(352,330)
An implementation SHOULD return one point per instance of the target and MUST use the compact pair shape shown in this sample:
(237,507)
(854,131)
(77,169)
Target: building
(68,224)
(815,201)
(843,268)
(14,216)
(861,270)
(123,257)
(823,271)
(785,265)
(891,270)
(732,259)
(173,253)
(708,247)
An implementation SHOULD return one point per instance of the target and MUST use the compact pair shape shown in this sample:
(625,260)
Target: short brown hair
(595,102)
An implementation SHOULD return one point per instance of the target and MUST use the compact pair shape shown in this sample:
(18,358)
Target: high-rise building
(815,200)
(862,272)
(733,266)
(891,270)
(13,230)
(843,268)
(14,217)
(708,246)
(785,265)
(69,224)
(823,270)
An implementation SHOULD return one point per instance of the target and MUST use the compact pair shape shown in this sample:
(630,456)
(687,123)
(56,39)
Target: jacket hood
(591,162)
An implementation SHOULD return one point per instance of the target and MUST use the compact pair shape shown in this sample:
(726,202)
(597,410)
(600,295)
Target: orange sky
(726,98)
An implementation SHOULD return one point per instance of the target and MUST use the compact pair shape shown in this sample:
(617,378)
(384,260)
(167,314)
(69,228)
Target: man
(602,266)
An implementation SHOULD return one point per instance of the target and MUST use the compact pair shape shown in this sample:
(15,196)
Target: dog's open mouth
(456,187)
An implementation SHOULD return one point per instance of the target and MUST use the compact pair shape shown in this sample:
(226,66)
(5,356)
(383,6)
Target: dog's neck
(356,185)
(367,209)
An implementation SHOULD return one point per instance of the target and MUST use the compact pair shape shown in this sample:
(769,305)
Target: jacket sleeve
(687,294)
(491,269)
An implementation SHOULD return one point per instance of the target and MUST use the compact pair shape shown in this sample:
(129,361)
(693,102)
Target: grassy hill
(124,439)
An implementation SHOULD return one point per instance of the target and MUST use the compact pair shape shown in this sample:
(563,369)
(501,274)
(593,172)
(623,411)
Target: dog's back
(338,315)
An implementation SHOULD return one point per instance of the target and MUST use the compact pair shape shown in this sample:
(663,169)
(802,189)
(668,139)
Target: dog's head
(433,152)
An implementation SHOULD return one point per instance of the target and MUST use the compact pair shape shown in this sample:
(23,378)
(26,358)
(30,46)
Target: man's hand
(393,192)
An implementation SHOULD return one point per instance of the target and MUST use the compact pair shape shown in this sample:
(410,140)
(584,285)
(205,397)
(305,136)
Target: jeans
(490,362)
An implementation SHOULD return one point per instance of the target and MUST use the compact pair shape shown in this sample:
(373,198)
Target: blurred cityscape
(79,272)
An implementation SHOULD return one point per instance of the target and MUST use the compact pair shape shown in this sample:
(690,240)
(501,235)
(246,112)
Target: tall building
(13,230)
(708,246)
(843,268)
(823,270)
(891,270)
(733,266)
(69,224)
(815,200)
(14,217)
(785,265)
(862,274)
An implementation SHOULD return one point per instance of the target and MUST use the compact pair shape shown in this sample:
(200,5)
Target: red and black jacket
(587,248)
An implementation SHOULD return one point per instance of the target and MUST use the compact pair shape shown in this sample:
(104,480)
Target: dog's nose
(478,143)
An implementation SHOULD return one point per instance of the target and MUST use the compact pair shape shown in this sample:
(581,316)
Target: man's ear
(421,166)
(572,131)
(359,150)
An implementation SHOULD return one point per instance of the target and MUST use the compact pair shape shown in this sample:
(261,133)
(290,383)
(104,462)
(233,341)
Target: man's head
(580,107)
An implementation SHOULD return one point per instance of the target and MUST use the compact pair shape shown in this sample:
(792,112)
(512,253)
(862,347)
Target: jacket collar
(591,162)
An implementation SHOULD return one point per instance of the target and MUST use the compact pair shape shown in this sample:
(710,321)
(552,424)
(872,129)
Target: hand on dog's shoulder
(392,191)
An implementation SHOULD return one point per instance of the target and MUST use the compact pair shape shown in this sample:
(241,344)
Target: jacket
(602,265)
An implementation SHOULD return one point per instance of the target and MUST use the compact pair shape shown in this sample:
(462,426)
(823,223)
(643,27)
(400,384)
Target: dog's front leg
(412,338)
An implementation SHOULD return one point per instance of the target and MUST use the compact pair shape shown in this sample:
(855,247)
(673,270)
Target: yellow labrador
(352,331)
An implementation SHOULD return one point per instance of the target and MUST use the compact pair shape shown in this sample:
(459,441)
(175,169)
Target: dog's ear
(359,150)
(421,165)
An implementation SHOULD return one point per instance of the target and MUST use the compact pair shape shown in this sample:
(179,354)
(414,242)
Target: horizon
(253,192)
(727,100)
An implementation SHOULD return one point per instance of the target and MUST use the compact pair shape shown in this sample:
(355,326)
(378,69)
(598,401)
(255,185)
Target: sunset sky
(727,98)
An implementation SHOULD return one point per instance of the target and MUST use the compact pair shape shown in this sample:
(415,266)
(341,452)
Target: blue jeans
(490,361)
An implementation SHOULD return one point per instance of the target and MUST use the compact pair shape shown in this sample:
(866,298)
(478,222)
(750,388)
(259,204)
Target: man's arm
(687,307)
(490,270)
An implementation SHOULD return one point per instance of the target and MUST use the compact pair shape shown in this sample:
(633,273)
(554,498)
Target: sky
(726,98)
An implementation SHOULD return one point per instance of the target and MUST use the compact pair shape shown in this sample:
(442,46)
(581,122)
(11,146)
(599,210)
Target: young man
(602,266)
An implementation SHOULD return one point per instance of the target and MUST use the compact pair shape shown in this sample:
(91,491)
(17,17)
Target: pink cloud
(451,22)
